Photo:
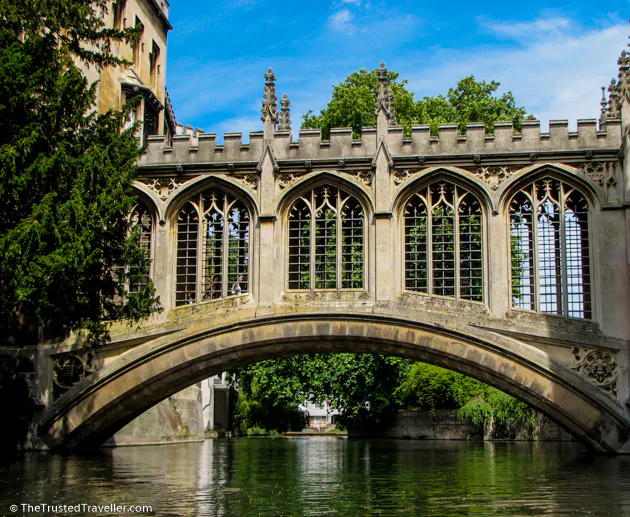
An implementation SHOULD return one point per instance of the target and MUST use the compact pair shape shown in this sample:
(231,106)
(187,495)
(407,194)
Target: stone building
(146,74)
(504,256)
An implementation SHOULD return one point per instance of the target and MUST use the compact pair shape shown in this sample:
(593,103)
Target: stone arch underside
(106,401)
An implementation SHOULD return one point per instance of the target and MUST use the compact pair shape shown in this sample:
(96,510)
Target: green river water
(326,476)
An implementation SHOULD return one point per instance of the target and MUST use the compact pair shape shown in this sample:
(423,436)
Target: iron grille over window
(212,257)
(550,249)
(326,241)
(142,222)
(444,242)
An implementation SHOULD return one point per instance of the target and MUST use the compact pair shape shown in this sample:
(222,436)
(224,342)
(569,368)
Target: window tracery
(141,220)
(326,241)
(213,237)
(444,242)
(550,257)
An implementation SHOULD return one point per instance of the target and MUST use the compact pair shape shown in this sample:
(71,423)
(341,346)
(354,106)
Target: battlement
(192,146)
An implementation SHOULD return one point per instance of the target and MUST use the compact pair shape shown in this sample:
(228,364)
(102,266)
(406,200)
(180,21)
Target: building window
(550,249)
(118,9)
(138,45)
(142,222)
(154,61)
(151,121)
(326,241)
(212,257)
(444,242)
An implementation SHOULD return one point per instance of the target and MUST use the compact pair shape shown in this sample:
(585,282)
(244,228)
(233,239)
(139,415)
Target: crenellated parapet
(196,147)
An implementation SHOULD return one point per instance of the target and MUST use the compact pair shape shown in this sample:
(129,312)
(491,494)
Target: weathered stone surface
(526,353)
(100,404)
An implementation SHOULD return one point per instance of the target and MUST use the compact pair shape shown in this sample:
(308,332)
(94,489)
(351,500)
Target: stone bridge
(502,256)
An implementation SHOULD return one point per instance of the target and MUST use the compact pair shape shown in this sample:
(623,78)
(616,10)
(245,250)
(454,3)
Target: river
(326,476)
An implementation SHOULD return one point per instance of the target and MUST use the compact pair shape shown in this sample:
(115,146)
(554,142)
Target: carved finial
(285,114)
(614,103)
(270,101)
(385,97)
(604,107)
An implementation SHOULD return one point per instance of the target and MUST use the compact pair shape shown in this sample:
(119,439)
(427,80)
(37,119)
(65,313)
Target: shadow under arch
(441,173)
(103,403)
(200,184)
(534,173)
(321,178)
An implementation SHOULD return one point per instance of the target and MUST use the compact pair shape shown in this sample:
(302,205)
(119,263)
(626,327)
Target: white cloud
(556,74)
(354,2)
(541,28)
(341,21)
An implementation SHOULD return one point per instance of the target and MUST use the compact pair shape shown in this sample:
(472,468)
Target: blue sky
(554,60)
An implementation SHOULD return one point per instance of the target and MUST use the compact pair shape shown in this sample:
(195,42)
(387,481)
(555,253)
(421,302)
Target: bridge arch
(101,404)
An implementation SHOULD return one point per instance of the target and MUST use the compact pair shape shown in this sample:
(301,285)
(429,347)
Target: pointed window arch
(550,255)
(444,242)
(326,241)
(213,242)
(141,220)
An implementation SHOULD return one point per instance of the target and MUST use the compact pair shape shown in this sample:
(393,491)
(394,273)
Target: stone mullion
(429,242)
(563,254)
(225,251)
(201,247)
(338,230)
(456,250)
(536,279)
(312,260)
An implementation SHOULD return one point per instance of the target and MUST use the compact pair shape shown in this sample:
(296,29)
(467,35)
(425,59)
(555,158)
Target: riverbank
(444,424)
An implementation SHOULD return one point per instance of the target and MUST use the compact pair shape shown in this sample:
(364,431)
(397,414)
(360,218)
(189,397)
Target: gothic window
(326,241)
(444,242)
(212,248)
(143,224)
(550,249)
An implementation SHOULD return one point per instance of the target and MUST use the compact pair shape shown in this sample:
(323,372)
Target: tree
(352,104)
(353,100)
(357,385)
(65,177)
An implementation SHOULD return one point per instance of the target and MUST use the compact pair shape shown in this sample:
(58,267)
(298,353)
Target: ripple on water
(311,477)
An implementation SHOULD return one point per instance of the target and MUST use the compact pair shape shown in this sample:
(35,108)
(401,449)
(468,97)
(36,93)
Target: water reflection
(307,477)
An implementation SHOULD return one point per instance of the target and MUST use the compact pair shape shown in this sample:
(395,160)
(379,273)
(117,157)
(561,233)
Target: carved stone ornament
(164,187)
(494,175)
(364,177)
(597,366)
(70,369)
(602,174)
(402,175)
(288,178)
(250,180)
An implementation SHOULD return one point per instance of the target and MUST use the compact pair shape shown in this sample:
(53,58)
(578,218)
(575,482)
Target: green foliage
(65,177)
(354,384)
(260,431)
(431,387)
(352,104)
(367,388)
(476,411)
(259,417)
(353,100)
(474,101)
